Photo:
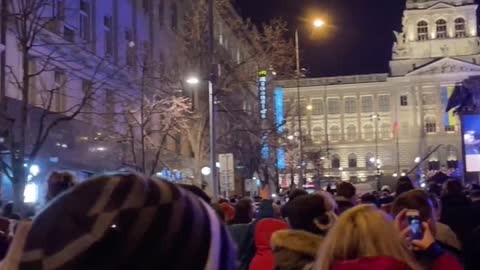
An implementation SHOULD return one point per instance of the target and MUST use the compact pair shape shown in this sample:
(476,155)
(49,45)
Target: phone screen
(416,231)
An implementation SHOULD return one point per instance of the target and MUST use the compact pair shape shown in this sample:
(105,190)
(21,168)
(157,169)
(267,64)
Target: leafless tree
(43,78)
(267,48)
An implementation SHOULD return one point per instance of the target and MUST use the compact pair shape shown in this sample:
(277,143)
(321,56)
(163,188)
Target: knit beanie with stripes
(127,222)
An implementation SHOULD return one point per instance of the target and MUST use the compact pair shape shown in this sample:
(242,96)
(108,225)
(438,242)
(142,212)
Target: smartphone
(415,224)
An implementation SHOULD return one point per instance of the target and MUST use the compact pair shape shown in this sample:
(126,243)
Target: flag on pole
(395,128)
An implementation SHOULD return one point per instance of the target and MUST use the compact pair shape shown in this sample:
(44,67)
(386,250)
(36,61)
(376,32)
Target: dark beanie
(304,210)
(125,222)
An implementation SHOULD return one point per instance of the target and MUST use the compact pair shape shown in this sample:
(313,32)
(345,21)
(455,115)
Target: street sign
(227,173)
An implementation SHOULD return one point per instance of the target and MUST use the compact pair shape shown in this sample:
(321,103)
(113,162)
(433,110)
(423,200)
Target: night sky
(358,40)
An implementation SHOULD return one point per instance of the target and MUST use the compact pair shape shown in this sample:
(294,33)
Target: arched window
(352,161)
(351,133)
(370,161)
(385,131)
(460,28)
(422,30)
(318,134)
(430,124)
(173,17)
(335,161)
(452,157)
(368,133)
(441,29)
(334,133)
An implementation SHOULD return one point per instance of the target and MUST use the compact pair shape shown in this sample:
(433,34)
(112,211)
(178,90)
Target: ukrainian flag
(449,119)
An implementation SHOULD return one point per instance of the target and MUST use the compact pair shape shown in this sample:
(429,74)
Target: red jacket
(444,262)
(264,229)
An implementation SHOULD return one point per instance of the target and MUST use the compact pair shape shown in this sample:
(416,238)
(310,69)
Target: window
(422,30)
(334,133)
(384,103)
(385,131)
(449,128)
(428,99)
(318,134)
(434,165)
(110,109)
(335,161)
(368,132)
(173,17)
(367,104)
(60,81)
(303,107)
(452,164)
(85,25)
(352,161)
(370,161)
(146,6)
(107,28)
(59,9)
(161,63)
(87,96)
(161,13)
(333,106)
(317,106)
(441,29)
(350,105)
(460,28)
(404,100)
(404,129)
(68,34)
(130,49)
(430,124)
(178,143)
(351,133)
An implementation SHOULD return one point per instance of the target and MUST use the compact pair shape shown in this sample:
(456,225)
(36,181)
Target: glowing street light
(193,80)
(309,107)
(206,171)
(395,175)
(417,160)
(318,23)
(290,137)
(34,170)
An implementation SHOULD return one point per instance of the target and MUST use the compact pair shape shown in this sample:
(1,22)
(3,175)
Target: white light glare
(34,170)
(193,80)
(417,160)
(206,171)
(30,194)
(403,174)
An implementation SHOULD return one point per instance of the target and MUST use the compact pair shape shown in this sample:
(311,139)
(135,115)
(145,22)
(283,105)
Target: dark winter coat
(264,230)
(294,249)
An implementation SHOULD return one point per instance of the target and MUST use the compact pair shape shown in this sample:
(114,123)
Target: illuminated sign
(262,94)
(279,121)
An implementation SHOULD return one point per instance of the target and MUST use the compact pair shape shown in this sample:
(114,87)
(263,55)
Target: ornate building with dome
(382,125)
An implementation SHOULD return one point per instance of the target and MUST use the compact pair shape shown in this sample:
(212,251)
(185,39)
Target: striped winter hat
(127,222)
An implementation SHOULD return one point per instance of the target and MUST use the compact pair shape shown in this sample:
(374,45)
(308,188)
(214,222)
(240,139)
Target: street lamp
(317,23)
(376,118)
(211,111)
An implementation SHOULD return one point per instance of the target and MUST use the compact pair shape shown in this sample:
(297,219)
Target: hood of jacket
(294,249)
(265,229)
(377,263)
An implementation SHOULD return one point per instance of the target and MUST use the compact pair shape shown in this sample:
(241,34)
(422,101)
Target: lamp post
(376,118)
(318,23)
(211,98)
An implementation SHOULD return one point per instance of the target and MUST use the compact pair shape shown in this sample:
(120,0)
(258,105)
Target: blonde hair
(363,231)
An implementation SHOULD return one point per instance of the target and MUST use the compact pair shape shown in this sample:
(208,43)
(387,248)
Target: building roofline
(336,80)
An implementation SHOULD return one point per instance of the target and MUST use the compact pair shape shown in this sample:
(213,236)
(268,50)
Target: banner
(449,119)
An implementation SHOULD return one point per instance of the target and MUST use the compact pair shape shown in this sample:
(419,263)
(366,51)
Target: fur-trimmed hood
(297,241)
(294,249)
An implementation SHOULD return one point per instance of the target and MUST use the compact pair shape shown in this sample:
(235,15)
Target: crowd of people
(128,221)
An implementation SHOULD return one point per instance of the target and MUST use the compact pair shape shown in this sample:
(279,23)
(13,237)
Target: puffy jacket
(263,259)
(444,262)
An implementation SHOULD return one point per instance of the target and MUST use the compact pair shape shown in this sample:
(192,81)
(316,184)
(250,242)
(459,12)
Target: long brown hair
(363,231)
